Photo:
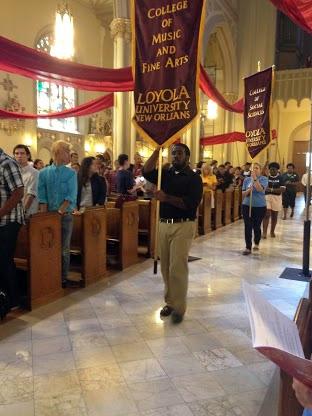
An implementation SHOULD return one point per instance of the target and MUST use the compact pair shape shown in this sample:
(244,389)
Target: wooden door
(300,151)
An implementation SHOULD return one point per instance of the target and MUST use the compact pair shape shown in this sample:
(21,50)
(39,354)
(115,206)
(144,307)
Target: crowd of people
(68,186)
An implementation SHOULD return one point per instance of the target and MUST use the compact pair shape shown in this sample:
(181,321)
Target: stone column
(191,139)
(121,33)
(229,126)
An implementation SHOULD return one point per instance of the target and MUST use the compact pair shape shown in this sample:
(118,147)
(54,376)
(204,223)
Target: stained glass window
(52,97)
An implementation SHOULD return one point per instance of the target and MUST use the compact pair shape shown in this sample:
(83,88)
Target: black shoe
(70,284)
(176,317)
(166,311)
(246,252)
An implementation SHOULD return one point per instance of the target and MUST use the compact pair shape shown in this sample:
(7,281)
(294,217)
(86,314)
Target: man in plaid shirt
(11,219)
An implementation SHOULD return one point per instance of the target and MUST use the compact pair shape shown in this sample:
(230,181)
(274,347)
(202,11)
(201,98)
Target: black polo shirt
(184,184)
(274,182)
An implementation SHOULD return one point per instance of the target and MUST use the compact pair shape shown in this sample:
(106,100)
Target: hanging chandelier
(63,46)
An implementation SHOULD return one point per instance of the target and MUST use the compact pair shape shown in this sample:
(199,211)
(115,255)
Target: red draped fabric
(22,60)
(299,11)
(85,109)
(235,136)
(212,92)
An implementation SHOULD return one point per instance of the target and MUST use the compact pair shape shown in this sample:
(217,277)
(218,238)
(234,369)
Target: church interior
(102,348)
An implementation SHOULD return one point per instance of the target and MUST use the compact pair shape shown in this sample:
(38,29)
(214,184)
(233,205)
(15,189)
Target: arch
(297,130)
(217,23)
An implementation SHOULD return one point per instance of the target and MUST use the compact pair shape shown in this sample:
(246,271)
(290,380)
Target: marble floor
(103,350)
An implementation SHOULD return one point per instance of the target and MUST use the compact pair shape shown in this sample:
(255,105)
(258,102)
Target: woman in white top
(91,186)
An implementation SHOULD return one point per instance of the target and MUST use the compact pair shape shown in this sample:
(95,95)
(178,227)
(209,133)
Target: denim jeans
(67,229)
(307,412)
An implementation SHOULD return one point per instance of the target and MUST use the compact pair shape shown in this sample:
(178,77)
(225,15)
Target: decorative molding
(11,103)
(121,27)
(101,123)
(293,84)
(45,139)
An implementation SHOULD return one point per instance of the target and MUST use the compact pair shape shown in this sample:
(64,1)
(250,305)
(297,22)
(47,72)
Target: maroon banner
(166,50)
(258,93)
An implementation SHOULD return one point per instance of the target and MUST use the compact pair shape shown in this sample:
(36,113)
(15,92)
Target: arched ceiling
(103,9)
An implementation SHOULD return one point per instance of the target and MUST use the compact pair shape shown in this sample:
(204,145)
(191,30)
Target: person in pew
(91,186)
(57,192)
(224,178)
(38,164)
(125,181)
(138,165)
(74,160)
(111,179)
(181,193)
(247,169)
(254,195)
(11,220)
(304,396)
(273,196)
(30,175)
(209,181)
(237,177)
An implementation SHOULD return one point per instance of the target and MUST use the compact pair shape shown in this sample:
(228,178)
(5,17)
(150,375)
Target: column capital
(231,97)
(121,26)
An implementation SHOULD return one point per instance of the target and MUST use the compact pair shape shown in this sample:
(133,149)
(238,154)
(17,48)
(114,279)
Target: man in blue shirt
(125,181)
(57,192)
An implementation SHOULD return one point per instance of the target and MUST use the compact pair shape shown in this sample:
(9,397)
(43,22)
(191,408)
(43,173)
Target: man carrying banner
(179,199)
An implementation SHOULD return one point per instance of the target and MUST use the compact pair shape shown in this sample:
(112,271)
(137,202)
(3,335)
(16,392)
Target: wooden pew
(147,225)
(288,403)
(227,206)
(122,233)
(38,254)
(217,217)
(236,204)
(89,241)
(204,218)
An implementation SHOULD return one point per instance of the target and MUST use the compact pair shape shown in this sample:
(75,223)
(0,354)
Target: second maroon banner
(166,49)
(258,93)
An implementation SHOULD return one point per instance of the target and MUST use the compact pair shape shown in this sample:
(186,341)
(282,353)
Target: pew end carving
(38,259)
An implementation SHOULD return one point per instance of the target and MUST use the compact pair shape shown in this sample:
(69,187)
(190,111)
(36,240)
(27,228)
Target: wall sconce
(87,147)
(207,154)
(212,110)
(28,140)
(99,148)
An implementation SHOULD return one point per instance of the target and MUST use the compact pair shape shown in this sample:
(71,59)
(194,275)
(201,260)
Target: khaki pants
(174,245)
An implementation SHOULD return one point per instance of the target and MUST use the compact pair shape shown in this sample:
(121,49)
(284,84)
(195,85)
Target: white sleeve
(32,188)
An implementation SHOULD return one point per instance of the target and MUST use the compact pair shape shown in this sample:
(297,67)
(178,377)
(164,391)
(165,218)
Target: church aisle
(103,351)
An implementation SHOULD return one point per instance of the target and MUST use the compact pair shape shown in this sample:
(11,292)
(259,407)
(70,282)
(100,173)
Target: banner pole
(160,158)
(307,222)
(250,196)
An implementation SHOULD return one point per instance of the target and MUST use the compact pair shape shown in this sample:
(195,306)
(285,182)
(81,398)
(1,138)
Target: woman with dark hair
(91,186)
(38,164)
